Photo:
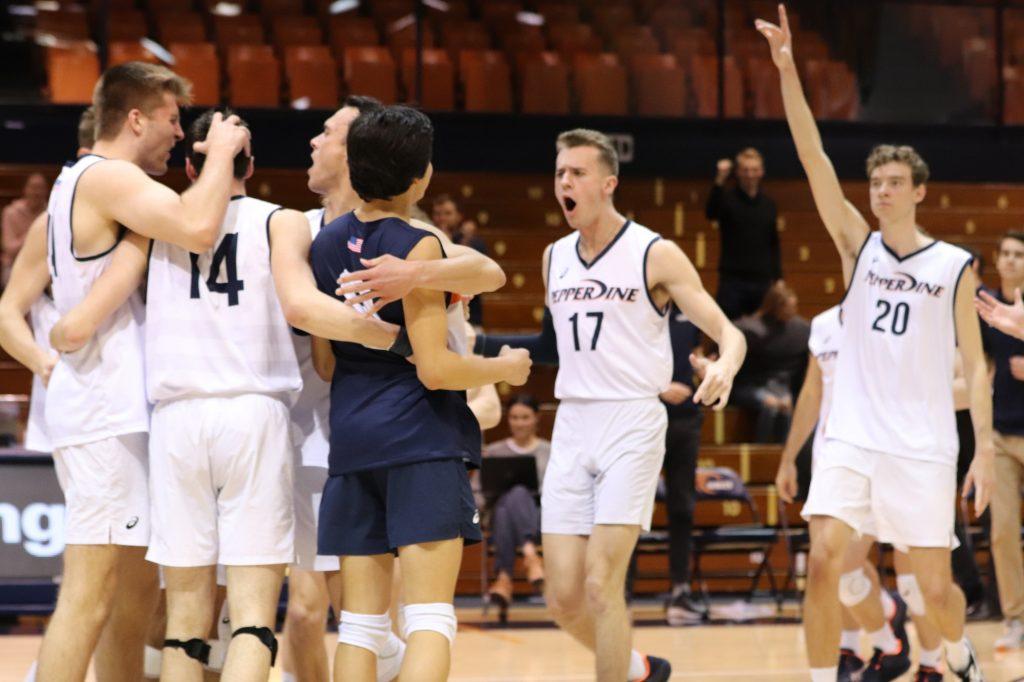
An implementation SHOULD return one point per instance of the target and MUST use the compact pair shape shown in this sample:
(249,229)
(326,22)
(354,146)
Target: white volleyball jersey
(310,413)
(894,376)
(98,391)
(613,342)
(42,316)
(214,323)
(823,344)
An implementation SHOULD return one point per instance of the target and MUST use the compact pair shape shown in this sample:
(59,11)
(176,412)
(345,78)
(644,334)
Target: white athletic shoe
(1013,635)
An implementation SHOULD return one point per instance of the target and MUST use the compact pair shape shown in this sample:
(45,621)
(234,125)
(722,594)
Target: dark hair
(523,399)
(87,128)
(443,198)
(775,300)
(1011,234)
(363,103)
(198,131)
(133,85)
(976,257)
(388,149)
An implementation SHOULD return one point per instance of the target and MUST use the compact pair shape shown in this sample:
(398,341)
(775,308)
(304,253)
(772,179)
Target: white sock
(957,654)
(288,677)
(389,662)
(884,639)
(637,665)
(30,676)
(850,639)
(888,603)
(824,674)
(931,657)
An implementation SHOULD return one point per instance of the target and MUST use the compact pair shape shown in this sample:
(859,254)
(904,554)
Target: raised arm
(981,475)
(387,278)
(29,278)
(670,271)
(306,307)
(805,416)
(843,221)
(438,367)
(122,192)
(123,276)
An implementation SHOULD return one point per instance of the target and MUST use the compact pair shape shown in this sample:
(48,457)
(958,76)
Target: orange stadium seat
(386,12)
(601,85)
(558,12)
(831,89)
(66,24)
(486,81)
(121,51)
(667,18)
(405,37)
(610,18)
(371,71)
(312,74)
(199,63)
(274,8)
(763,85)
(295,30)
(71,74)
(522,38)
(464,35)
(660,85)
(179,27)
(438,79)
(254,76)
(686,42)
(350,31)
(127,24)
(572,38)
(244,29)
(704,76)
(543,83)
(1014,101)
(158,6)
(632,40)
(500,14)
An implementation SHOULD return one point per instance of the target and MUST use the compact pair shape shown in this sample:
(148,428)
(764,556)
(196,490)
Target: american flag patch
(355,244)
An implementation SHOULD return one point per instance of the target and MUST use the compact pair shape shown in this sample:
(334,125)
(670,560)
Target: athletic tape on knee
(218,654)
(911,593)
(152,659)
(195,648)
(854,587)
(265,635)
(437,617)
(365,630)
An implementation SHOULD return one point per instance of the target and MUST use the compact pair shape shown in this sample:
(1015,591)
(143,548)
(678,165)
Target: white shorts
(309,488)
(903,501)
(221,482)
(106,491)
(606,457)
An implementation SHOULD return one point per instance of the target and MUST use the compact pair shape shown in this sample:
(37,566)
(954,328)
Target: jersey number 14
(226,254)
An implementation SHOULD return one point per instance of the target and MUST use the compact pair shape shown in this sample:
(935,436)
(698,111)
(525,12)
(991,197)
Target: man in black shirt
(1007,356)
(749,260)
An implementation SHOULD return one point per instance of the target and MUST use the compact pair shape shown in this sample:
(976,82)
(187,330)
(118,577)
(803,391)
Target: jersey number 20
(226,254)
(900,316)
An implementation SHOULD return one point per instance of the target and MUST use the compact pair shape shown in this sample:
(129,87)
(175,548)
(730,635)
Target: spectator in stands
(749,260)
(682,442)
(777,339)
(515,515)
(16,218)
(447,216)
(1007,356)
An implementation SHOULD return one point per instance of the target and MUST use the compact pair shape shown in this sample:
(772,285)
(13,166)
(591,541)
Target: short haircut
(443,198)
(198,131)
(1012,234)
(524,399)
(388,149)
(584,137)
(87,128)
(905,154)
(363,103)
(749,154)
(133,85)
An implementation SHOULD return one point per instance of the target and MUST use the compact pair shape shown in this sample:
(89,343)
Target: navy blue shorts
(376,512)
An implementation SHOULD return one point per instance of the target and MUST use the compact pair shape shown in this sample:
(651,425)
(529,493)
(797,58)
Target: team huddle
(245,386)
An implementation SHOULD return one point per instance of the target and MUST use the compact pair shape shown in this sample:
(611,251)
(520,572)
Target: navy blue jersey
(685,337)
(381,415)
(1007,390)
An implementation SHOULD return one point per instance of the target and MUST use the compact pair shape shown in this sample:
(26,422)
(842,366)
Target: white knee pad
(438,617)
(364,630)
(911,593)
(854,587)
(152,660)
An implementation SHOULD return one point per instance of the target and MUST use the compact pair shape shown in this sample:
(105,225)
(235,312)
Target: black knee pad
(265,635)
(194,648)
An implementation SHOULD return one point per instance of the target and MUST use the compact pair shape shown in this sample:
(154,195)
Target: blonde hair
(905,154)
(749,154)
(133,85)
(584,137)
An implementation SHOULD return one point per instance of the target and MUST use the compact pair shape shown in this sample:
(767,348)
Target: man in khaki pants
(1007,356)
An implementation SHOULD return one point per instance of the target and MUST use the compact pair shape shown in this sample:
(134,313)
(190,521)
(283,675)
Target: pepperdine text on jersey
(903,282)
(594,293)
